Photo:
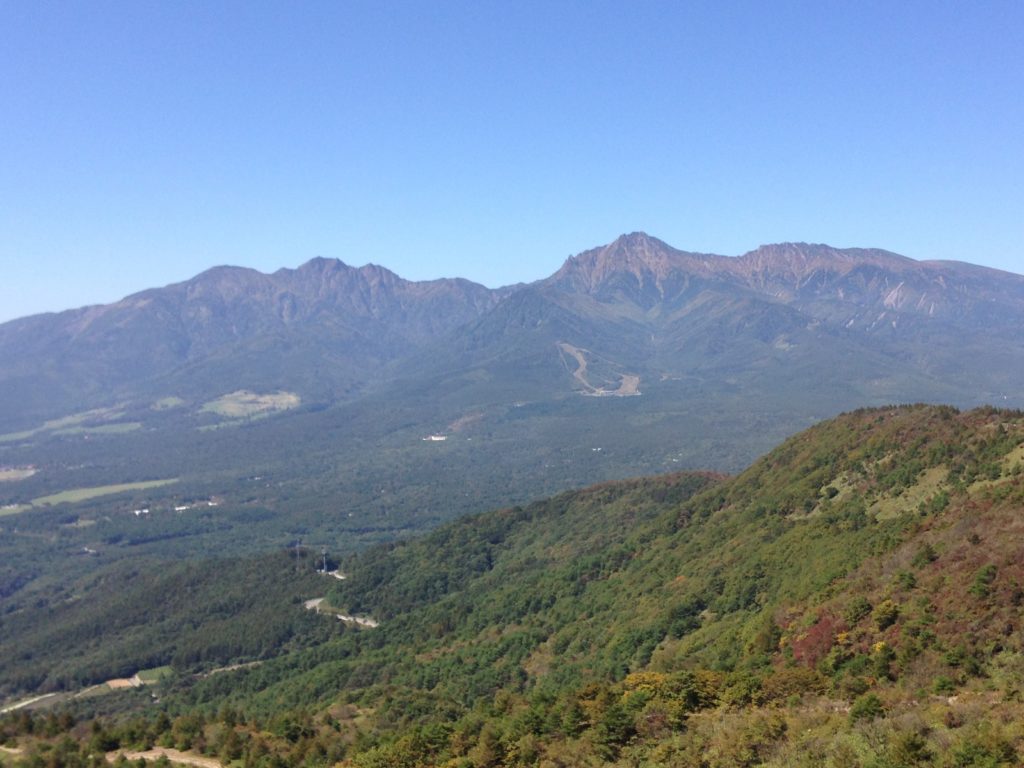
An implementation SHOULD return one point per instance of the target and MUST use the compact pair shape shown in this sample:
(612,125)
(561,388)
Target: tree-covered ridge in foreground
(133,616)
(852,599)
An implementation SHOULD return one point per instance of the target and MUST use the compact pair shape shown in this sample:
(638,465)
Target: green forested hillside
(128,617)
(853,599)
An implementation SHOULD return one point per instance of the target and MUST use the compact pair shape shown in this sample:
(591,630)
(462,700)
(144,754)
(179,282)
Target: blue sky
(142,142)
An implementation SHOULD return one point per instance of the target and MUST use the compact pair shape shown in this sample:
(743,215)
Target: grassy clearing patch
(244,404)
(12,437)
(96,415)
(154,675)
(1013,458)
(16,473)
(166,403)
(93,419)
(927,486)
(94,691)
(102,429)
(81,494)
(14,509)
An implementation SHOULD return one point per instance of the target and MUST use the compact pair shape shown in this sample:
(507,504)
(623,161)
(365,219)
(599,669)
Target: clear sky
(142,142)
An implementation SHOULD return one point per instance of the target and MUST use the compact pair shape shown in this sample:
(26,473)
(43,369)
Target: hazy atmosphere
(146,142)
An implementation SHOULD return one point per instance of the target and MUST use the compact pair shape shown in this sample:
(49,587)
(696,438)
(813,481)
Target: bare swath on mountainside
(585,372)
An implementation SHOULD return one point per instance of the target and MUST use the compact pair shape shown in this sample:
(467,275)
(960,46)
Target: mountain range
(864,321)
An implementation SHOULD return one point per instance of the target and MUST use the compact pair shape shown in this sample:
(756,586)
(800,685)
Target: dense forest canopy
(852,598)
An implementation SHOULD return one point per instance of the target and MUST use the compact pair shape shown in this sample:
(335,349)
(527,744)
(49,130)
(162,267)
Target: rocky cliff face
(865,286)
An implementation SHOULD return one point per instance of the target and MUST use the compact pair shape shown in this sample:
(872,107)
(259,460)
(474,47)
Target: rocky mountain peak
(797,260)
(321,264)
(376,275)
(316,270)
(645,260)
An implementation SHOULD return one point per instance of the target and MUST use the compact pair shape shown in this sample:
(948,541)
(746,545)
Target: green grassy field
(165,403)
(244,404)
(76,422)
(16,473)
(154,675)
(12,437)
(102,429)
(81,494)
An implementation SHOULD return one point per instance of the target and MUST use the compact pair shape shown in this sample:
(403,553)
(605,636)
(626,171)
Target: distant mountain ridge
(260,330)
(799,273)
(332,332)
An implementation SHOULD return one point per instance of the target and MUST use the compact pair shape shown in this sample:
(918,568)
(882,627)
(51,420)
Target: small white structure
(435,438)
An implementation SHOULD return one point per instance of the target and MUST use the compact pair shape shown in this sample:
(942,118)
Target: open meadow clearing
(82,494)
(244,404)
(13,474)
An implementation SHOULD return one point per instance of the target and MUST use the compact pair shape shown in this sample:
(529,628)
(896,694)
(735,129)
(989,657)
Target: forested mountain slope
(133,616)
(324,329)
(853,598)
